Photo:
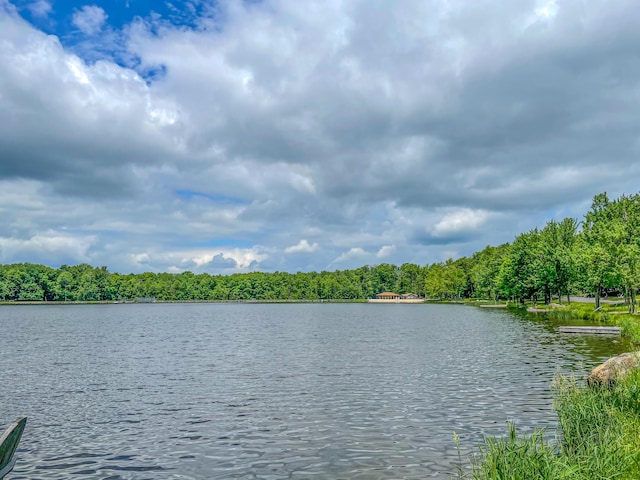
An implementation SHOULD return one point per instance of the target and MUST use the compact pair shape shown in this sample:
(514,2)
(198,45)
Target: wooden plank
(8,445)
(595,330)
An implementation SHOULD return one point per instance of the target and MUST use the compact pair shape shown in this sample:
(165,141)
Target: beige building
(390,297)
(387,296)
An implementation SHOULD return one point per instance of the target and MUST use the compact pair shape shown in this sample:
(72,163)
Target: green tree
(486,269)
(597,254)
(520,274)
(64,284)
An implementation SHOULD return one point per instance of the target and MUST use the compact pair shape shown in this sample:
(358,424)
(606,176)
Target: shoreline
(598,426)
(112,302)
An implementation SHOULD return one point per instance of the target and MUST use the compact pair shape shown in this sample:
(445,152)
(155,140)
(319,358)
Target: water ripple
(273,391)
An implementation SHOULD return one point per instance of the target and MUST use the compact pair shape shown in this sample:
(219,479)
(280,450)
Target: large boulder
(614,369)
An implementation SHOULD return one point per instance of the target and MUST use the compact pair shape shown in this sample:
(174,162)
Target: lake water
(249,391)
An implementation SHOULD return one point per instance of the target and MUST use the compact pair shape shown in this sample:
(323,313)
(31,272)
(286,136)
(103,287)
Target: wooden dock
(591,330)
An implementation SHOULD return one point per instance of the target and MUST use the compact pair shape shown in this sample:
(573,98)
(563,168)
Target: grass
(609,314)
(630,324)
(599,438)
(581,311)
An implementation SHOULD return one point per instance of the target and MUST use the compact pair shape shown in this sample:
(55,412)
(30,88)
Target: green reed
(598,438)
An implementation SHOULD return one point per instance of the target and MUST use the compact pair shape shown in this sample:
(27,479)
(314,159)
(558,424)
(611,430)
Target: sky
(282,135)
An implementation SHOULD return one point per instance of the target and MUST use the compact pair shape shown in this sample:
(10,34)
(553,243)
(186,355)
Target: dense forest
(597,256)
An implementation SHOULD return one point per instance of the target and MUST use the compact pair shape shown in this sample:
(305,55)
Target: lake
(274,391)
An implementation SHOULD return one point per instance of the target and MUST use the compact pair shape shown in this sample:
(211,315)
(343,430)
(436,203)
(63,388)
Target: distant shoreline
(111,302)
(396,300)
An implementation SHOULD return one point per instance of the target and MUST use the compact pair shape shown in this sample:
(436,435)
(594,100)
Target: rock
(614,369)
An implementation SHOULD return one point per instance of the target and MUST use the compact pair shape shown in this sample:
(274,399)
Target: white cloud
(47,245)
(223,260)
(406,128)
(302,246)
(459,221)
(79,127)
(140,258)
(355,253)
(547,9)
(544,13)
(243,257)
(40,8)
(90,19)
(385,251)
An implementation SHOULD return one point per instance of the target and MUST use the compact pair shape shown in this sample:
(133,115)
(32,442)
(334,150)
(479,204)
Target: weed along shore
(614,313)
(599,421)
(598,418)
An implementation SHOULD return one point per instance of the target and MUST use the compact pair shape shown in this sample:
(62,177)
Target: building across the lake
(387,296)
(391,297)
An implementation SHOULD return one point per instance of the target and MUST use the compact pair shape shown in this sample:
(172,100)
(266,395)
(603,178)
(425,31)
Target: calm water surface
(232,391)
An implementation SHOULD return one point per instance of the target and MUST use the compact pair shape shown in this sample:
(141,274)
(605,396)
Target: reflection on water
(326,391)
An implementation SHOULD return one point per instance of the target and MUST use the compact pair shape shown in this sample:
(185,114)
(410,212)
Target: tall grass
(630,326)
(609,314)
(581,312)
(599,438)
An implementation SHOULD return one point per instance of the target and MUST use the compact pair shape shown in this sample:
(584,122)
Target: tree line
(31,282)
(597,256)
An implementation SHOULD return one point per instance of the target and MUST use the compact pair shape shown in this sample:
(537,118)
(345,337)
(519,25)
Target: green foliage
(556,256)
(516,458)
(27,282)
(597,439)
(450,279)
(581,311)
(539,265)
(630,327)
(609,253)
(519,274)
(485,271)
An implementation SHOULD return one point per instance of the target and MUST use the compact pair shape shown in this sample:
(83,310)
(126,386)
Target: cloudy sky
(287,135)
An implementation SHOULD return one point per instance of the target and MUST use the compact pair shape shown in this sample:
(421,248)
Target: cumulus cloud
(347,259)
(393,131)
(459,221)
(81,128)
(47,247)
(302,246)
(385,251)
(40,8)
(201,260)
(90,19)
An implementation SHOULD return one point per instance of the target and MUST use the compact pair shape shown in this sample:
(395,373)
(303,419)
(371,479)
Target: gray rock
(614,369)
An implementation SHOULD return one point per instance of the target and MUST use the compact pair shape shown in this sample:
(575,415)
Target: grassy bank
(598,439)
(608,314)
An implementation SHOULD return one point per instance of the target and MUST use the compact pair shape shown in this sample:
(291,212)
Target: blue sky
(233,136)
(98,30)
(57,17)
